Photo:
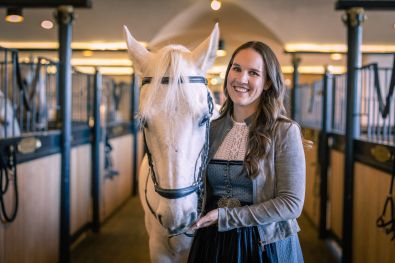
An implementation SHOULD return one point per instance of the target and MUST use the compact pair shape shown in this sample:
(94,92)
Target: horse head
(8,123)
(175,109)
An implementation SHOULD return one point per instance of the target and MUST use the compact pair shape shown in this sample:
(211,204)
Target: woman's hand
(209,219)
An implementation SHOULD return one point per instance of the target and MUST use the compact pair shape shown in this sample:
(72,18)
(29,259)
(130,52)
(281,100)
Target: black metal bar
(324,158)
(50,144)
(333,102)
(134,108)
(96,153)
(13,100)
(88,99)
(294,92)
(366,4)
(65,16)
(5,85)
(354,19)
(364,153)
(58,101)
(45,3)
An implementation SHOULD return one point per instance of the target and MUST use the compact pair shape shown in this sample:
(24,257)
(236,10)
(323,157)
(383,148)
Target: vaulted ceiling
(160,22)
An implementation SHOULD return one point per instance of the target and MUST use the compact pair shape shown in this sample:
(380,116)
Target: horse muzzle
(180,228)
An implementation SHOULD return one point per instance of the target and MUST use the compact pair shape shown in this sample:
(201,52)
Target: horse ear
(137,52)
(204,54)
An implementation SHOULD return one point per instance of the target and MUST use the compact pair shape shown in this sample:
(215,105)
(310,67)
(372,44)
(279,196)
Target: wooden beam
(45,3)
(383,5)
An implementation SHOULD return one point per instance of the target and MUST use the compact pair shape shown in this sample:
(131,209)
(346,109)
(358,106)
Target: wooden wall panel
(312,199)
(34,235)
(81,198)
(117,189)
(123,161)
(335,192)
(370,244)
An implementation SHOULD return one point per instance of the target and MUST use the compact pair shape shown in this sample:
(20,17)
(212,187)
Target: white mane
(171,61)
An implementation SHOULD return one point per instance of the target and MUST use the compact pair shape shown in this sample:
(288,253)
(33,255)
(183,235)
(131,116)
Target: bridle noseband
(198,184)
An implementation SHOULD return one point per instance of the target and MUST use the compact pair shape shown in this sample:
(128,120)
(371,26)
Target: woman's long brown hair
(270,109)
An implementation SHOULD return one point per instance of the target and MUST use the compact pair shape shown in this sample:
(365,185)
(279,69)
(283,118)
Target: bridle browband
(198,184)
(165,80)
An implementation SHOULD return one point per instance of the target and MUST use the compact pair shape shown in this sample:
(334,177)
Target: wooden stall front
(34,235)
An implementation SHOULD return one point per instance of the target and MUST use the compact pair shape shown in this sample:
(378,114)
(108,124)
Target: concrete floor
(123,238)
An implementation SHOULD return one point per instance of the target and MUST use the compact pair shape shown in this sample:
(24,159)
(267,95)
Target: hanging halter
(198,184)
(8,175)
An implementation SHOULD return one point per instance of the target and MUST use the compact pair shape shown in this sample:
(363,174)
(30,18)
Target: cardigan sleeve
(290,174)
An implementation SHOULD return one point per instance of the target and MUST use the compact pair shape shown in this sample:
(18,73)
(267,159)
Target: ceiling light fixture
(14,15)
(215,5)
(47,24)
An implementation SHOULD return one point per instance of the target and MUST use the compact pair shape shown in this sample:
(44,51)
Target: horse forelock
(174,62)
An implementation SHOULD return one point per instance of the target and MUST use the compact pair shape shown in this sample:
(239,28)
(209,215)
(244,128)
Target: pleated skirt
(241,245)
(237,245)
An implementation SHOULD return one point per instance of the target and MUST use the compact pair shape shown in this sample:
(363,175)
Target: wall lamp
(14,15)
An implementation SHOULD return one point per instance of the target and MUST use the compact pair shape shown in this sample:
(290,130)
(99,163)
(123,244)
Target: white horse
(175,110)
(9,126)
(34,82)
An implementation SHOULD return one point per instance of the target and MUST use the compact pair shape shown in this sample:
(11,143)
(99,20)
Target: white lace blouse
(234,145)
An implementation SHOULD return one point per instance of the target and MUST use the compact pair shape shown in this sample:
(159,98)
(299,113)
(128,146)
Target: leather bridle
(198,184)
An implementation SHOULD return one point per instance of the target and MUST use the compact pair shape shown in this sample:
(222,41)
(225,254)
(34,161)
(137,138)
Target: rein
(198,185)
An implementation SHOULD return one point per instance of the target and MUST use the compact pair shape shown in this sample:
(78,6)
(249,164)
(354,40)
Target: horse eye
(205,119)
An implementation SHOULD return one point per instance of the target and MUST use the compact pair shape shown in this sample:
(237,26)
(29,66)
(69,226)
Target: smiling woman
(256,169)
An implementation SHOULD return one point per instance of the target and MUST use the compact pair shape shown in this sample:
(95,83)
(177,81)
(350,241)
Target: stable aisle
(123,238)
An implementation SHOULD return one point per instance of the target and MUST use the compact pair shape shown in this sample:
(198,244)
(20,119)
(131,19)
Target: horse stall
(310,118)
(116,182)
(103,127)
(373,231)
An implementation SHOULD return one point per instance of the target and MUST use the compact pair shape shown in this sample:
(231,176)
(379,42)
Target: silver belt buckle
(228,202)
